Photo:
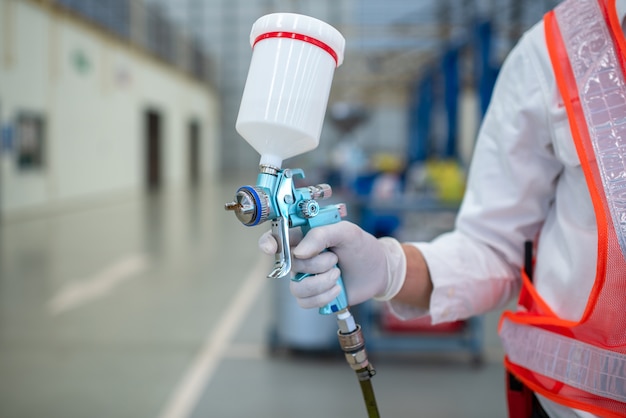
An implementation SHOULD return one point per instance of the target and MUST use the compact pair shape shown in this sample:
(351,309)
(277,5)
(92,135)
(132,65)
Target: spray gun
(281,115)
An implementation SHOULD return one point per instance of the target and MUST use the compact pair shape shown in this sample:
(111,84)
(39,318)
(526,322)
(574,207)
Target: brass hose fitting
(353,346)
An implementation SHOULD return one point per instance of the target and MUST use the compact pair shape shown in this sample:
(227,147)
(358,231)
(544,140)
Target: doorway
(152,138)
(194,160)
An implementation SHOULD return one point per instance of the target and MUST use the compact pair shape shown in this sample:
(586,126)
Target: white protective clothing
(525,183)
(525,180)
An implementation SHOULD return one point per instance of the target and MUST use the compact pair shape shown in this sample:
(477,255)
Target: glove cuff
(396,268)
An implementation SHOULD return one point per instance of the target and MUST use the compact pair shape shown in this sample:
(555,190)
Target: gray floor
(154,307)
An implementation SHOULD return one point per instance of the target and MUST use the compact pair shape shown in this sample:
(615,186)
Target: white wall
(94,113)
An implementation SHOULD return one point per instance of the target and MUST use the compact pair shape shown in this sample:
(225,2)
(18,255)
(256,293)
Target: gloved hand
(370,267)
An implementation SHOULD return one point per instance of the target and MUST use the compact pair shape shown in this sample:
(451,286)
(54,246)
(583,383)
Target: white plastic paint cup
(284,100)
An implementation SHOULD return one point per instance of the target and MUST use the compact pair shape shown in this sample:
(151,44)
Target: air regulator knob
(309,208)
(251,205)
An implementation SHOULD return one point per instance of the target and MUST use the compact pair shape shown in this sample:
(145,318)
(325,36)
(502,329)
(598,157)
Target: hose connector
(353,346)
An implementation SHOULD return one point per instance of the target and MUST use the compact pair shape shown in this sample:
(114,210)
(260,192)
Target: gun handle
(338,304)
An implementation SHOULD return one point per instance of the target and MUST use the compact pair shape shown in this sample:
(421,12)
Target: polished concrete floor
(157,306)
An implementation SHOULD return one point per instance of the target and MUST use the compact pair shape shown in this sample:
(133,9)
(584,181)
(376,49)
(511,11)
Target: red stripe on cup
(300,37)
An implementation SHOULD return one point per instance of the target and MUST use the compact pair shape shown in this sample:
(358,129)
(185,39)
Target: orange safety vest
(582,364)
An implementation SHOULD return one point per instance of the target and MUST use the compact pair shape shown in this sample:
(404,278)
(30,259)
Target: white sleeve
(511,185)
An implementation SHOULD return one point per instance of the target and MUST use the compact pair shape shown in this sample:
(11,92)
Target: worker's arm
(417,286)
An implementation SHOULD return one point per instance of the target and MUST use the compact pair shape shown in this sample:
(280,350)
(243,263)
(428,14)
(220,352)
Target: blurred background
(126,290)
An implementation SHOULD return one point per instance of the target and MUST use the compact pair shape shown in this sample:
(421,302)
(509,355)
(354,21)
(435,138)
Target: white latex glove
(370,267)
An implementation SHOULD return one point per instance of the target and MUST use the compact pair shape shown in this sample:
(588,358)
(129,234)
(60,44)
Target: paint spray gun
(281,115)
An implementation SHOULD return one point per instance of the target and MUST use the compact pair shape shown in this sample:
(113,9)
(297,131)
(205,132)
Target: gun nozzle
(232,206)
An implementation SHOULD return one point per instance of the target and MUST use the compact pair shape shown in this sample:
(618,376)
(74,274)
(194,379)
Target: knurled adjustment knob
(309,208)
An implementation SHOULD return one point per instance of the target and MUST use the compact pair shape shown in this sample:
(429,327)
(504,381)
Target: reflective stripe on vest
(602,99)
(580,365)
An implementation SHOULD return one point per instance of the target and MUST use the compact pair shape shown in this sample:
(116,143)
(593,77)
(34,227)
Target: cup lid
(301,25)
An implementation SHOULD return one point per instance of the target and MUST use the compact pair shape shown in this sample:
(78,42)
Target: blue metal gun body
(277,199)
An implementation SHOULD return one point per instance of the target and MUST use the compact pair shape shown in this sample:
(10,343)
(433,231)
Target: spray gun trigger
(282,258)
